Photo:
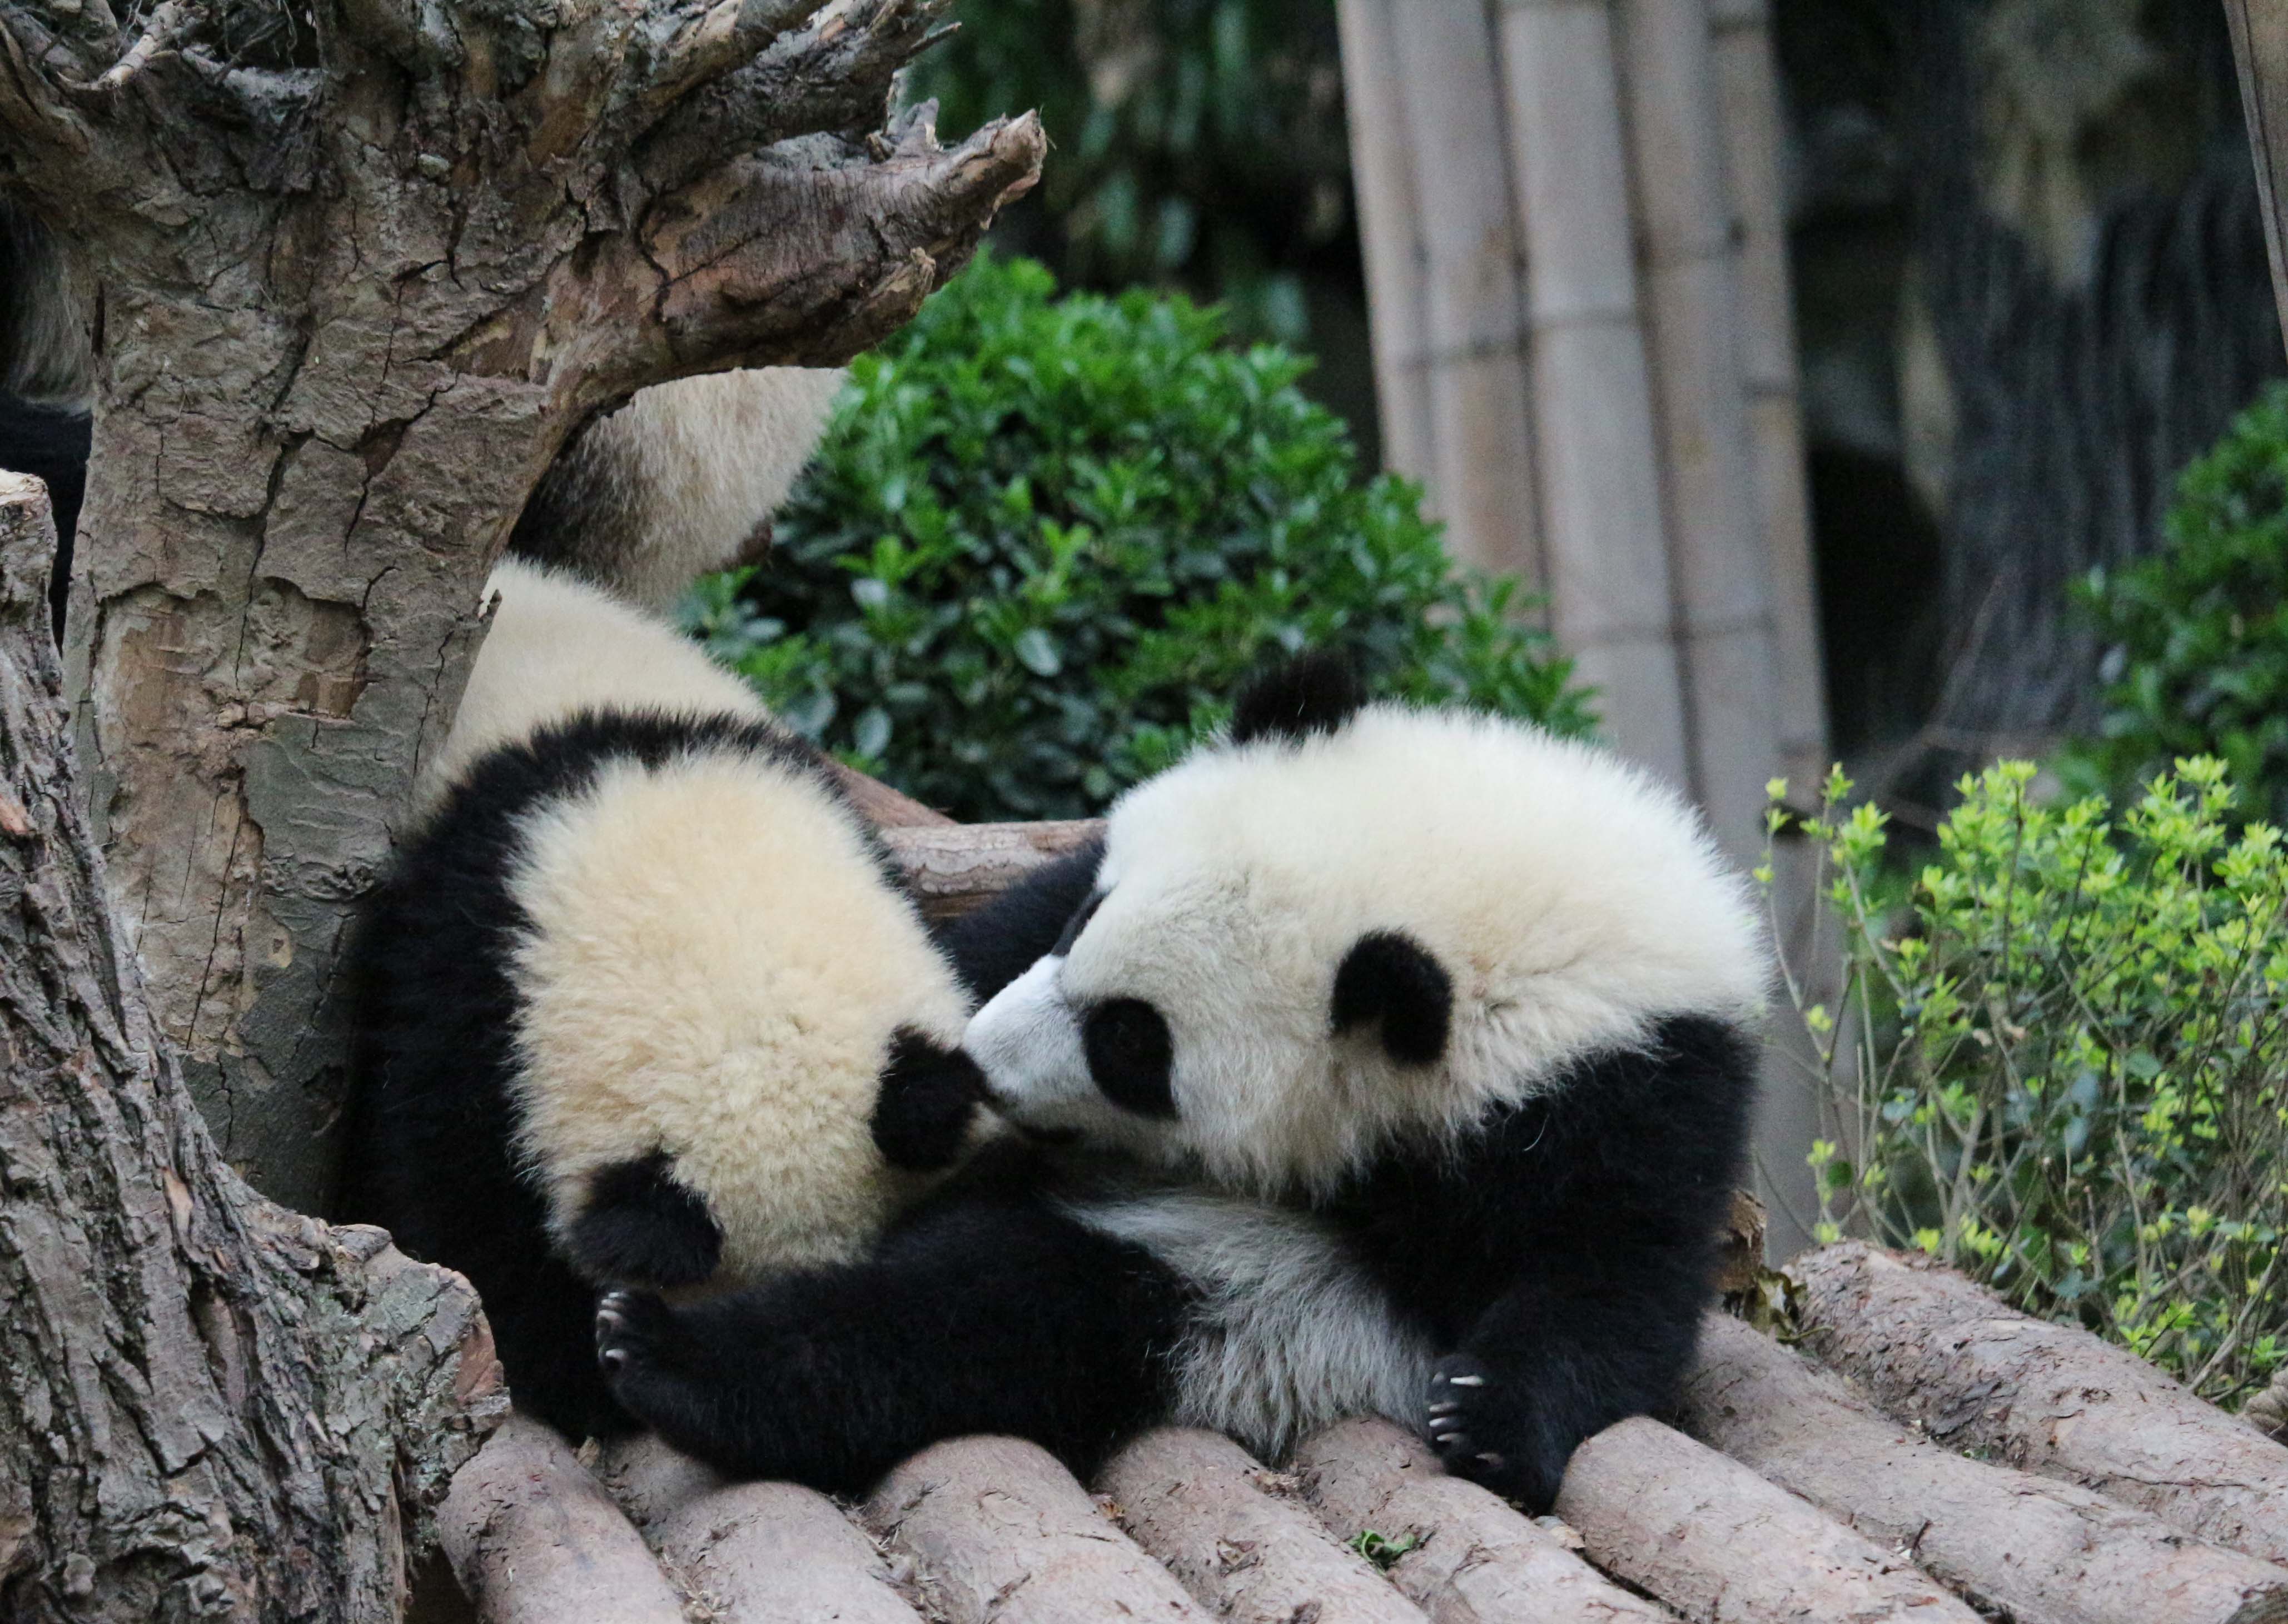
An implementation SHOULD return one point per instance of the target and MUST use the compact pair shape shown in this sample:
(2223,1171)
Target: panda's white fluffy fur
(644,985)
(1572,898)
(1395,1061)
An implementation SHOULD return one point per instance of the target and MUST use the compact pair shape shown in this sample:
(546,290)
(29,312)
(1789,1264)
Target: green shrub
(1046,540)
(2198,663)
(2068,1069)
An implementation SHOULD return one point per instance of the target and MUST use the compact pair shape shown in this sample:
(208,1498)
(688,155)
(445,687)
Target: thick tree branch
(834,77)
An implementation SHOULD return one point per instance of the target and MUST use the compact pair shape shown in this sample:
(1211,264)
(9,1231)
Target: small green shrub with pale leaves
(2062,1063)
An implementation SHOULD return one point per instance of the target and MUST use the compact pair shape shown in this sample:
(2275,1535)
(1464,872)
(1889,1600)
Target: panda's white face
(1300,951)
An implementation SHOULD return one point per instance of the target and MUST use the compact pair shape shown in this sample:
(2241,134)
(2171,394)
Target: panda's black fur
(1509,1284)
(444,1151)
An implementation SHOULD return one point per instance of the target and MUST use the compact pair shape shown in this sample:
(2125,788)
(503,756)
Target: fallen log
(1231,1531)
(955,868)
(889,808)
(2043,1552)
(534,1539)
(998,1530)
(1937,1353)
(1466,1556)
(1717,1543)
(773,1552)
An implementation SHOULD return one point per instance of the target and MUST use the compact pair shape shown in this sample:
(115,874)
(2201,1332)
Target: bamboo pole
(1748,105)
(1448,127)
(1390,234)
(2259,44)
(1607,544)
(1691,278)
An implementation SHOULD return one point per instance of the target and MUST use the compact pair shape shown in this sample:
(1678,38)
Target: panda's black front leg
(639,1226)
(977,1318)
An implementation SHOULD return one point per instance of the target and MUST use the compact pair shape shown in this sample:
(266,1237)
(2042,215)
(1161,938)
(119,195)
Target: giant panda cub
(1388,1061)
(645,1000)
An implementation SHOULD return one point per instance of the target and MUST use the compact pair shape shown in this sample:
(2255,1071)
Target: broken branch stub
(364,268)
(1936,1353)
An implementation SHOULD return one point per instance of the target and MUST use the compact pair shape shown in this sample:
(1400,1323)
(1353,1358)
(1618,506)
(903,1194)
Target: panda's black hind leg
(639,1226)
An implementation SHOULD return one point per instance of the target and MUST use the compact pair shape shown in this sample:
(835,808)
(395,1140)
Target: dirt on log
(534,1539)
(1238,1537)
(1717,1543)
(209,1406)
(1000,1534)
(1463,1555)
(1939,1353)
(2042,1552)
(362,269)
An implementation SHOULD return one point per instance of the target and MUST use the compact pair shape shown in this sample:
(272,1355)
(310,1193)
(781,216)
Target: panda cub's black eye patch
(1131,1056)
(1390,980)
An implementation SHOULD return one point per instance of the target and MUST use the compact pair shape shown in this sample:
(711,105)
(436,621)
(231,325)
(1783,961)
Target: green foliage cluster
(1046,540)
(2198,632)
(2067,1061)
(1201,143)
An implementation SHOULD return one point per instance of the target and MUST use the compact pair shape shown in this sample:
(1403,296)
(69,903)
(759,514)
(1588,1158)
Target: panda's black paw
(636,1337)
(1484,1429)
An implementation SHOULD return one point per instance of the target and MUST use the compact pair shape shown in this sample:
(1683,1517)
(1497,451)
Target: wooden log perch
(1232,1531)
(1000,1534)
(2043,1552)
(652,1480)
(1717,1543)
(773,1552)
(1937,1353)
(534,1539)
(1474,1560)
(956,867)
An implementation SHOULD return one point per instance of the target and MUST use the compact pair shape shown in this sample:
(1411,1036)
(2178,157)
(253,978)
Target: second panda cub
(1389,1061)
(646,1001)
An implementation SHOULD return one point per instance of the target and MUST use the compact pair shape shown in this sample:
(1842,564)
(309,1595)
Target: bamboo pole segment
(1390,234)
(2042,1552)
(1717,1543)
(535,1539)
(1938,1354)
(1233,1532)
(1472,331)
(1002,1534)
(2259,44)
(1748,108)
(1608,579)
(1691,279)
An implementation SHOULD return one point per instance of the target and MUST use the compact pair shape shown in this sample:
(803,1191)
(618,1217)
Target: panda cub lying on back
(1394,1061)
(645,1000)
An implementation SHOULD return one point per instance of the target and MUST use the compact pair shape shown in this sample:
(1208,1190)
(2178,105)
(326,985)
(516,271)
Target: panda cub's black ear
(1390,977)
(1312,694)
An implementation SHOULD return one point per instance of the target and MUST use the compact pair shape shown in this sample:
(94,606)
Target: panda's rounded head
(1349,926)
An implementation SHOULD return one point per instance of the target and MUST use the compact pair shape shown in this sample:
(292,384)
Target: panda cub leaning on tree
(1381,1060)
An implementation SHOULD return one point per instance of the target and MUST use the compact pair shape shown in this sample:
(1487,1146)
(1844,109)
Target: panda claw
(1444,1407)
(1492,1462)
(613,1358)
(1465,1381)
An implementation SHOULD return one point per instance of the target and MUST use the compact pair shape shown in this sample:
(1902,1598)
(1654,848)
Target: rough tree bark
(361,266)
(210,1407)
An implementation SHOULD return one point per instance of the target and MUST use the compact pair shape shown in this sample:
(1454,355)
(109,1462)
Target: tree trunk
(209,1407)
(364,266)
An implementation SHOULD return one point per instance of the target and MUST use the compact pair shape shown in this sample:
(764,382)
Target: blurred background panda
(678,480)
